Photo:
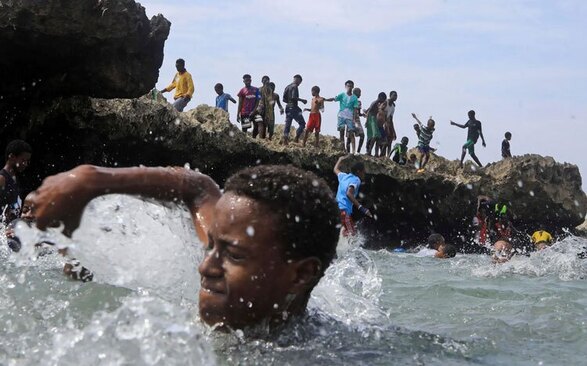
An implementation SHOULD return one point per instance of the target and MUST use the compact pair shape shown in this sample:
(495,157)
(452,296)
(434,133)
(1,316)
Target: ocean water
(371,308)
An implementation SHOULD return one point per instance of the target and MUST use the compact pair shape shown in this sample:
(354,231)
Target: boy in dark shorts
(248,100)
(475,131)
(424,137)
(315,119)
(505,146)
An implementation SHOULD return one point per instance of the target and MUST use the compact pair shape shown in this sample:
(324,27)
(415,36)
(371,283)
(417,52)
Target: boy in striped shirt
(424,137)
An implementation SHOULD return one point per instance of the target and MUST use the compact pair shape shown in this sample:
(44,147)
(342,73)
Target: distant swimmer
(183,85)
(474,132)
(446,251)
(541,239)
(269,236)
(435,241)
(502,251)
(18,156)
(424,137)
(505,146)
(347,193)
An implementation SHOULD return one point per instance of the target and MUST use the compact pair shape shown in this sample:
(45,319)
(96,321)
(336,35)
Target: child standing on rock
(424,137)
(315,120)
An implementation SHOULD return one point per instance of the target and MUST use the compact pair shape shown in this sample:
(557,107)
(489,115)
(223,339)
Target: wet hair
(349,82)
(180,61)
(302,203)
(272,85)
(17,147)
(246,76)
(298,76)
(471,114)
(316,89)
(434,240)
(450,251)
(219,86)
(508,135)
(382,95)
(357,168)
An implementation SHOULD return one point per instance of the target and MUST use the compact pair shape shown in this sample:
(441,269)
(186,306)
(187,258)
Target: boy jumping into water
(473,134)
(286,257)
(347,193)
(315,120)
(424,137)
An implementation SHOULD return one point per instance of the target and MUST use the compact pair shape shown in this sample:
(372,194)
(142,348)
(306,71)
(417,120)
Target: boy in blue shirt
(223,98)
(347,193)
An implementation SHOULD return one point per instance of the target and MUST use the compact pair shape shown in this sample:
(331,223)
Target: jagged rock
(407,204)
(98,48)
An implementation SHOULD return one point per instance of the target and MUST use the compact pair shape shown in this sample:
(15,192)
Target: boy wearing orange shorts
(315,120)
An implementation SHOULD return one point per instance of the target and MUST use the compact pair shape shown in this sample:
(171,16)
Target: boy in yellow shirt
(183,85)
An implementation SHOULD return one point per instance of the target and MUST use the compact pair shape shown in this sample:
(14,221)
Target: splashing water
(371,307)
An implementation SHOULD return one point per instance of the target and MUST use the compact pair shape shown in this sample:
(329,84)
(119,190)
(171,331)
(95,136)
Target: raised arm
(63,197)
(336,169)
(416,118)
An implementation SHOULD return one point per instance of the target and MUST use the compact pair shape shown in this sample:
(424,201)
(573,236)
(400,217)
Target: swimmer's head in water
(27,213)
(18,154)
(446,251)
(435,241)
(274,235)
(502,251)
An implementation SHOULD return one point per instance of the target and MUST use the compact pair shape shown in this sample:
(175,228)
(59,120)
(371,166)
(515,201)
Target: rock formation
(123,132)
(57,56)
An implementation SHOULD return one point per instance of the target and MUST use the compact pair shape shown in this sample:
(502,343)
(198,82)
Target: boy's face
(247,82)
(27,213)
(245,277)
(218,90)
(393,97)
(21,161)
(179,66)
(431,124)
(314,92)
(348,87)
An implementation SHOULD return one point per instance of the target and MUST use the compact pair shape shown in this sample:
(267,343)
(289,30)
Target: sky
(521,65)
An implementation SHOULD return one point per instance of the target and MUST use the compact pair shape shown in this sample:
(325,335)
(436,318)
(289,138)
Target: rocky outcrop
(98,48)
(407,204)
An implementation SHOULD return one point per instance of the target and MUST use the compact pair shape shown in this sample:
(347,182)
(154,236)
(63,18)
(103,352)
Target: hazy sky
(522,65)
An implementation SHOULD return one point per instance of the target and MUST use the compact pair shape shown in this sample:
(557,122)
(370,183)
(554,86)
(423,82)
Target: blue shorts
(345,122)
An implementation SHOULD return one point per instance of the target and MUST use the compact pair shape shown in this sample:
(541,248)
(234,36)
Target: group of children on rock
(256,111)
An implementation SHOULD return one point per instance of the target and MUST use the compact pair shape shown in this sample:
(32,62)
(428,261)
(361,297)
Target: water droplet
(254,176)
(429,210)
(177,121)
(275,306)
(249,304)
(241,300)
(187,166)
(285,187)
(576,203)
(520,184)
(231,134)
(531,193)
(469,186)
(315,183)
(250,230)
(297,218)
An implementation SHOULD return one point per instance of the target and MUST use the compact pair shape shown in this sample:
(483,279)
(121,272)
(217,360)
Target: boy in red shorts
(347,193)
(315,120)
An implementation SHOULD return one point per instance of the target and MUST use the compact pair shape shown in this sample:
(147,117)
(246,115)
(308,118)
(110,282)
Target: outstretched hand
(61,199)
(414,115)
(484,144)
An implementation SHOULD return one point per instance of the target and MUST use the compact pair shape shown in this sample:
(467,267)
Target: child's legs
(317,137)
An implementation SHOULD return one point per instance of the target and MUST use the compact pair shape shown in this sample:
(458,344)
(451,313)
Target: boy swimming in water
(261,265)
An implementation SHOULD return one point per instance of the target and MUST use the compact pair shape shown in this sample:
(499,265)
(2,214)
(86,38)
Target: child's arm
(416,118)
(481,134)
(276,97)
(329,99)
(231,99)
(458,125)
(239,108)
